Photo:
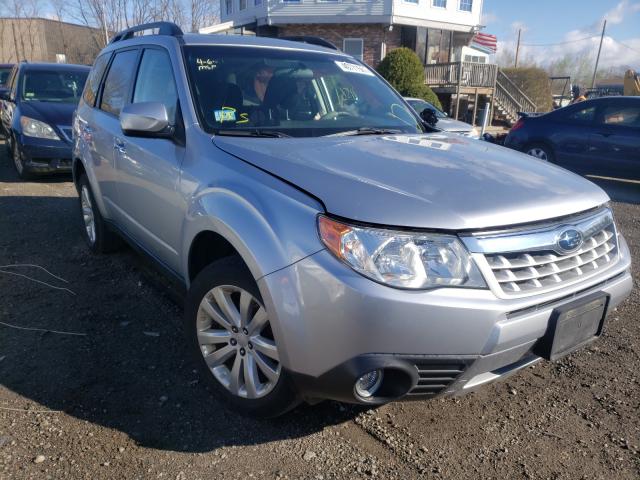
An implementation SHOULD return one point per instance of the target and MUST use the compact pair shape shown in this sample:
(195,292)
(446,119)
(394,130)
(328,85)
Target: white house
(437,30)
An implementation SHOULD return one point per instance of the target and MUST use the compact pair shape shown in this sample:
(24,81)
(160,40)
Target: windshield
(4,75)
(420,105)
(295,93)
(53,86)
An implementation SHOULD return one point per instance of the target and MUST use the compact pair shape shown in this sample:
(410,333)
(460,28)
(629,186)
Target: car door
(616,142)
(570,135)
(105,126)
(149,168)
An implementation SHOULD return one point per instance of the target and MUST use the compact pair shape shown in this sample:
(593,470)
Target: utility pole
(595,70)
(518,48)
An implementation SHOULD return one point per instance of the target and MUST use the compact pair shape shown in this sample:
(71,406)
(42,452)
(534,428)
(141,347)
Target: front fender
(271,224)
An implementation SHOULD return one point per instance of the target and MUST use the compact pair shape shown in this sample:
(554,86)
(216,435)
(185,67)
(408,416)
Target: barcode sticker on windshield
(354,68)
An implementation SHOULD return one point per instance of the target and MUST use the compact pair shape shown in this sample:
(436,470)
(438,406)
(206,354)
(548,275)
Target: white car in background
(445,123)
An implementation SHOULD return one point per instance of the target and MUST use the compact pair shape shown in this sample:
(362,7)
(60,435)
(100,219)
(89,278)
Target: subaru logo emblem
(569,241)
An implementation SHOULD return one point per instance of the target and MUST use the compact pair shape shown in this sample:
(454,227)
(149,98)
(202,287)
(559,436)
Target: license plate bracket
(573,325)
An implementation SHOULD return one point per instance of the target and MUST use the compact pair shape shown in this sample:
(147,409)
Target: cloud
(619,13)
(583,43)
(488,17)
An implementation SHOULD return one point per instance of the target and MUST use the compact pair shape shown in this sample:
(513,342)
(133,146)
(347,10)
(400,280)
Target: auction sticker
(354,68)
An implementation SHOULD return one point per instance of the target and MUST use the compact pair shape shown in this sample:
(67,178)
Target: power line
(558,43)
(625,45)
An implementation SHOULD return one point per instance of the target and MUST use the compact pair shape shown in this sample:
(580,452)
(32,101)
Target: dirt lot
(121,401)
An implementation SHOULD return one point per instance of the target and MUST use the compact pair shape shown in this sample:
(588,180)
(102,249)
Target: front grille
(434,378)
(539,267)
(523,272)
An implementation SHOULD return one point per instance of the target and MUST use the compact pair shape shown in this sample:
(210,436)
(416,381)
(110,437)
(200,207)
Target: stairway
(509,100)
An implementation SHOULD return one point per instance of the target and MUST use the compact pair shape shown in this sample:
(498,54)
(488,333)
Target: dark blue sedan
(38,110)
(596,137)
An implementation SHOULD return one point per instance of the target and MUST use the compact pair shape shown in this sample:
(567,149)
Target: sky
(567,23)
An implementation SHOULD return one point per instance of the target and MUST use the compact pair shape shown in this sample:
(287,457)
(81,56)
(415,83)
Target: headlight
(401,259)
(38,129)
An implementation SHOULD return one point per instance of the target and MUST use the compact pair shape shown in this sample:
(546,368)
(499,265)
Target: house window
(290,1)
(228,5)
(411,1)
(243,4)
(257,2)
(354,47)
(466,5)
(439,3)
(475,59)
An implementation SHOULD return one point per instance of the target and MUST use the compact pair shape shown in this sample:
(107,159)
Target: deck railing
(465,74)
(508,93)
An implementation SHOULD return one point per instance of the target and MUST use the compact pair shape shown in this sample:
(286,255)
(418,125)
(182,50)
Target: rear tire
(94,229)
(229,334)
(540,151)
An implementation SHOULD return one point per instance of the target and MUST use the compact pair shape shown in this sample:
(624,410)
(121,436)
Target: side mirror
(145,119)
(429,117)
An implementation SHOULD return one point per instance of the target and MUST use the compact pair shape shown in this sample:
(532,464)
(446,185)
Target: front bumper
(335,325)
(45,156)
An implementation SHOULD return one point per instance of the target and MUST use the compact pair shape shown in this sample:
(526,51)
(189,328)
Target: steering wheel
(336,115)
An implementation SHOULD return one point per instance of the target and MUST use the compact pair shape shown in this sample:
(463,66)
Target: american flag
(485,42)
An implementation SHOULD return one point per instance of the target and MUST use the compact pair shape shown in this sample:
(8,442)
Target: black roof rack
(321,42)
(164,28)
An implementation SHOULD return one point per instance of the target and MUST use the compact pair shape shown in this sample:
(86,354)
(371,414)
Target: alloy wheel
(538,153)
(87,214)
(237,343)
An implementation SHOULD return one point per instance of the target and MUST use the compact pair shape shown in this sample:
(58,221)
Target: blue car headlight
(35,128)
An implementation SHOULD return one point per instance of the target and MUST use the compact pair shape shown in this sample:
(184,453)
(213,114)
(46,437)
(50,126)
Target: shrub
(404,71)
(535,84)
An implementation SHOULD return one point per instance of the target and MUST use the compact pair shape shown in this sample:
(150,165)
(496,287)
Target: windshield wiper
(253,133)
(365,131)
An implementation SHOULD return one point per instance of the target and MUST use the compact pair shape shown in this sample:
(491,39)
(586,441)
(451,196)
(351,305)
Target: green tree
(404,71)
(535,84)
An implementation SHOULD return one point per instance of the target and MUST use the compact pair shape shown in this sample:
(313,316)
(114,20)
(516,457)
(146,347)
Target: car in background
(37,114)
(598,137)
(5,70)
(445,123)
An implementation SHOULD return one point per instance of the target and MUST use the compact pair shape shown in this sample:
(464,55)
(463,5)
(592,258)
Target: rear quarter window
(93,82)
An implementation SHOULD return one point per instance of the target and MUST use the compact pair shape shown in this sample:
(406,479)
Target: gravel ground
(121,400)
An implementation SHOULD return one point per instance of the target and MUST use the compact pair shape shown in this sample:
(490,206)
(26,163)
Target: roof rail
(164,28)
(321,42)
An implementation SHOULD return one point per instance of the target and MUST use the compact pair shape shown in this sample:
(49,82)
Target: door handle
(604,134)
(119,146)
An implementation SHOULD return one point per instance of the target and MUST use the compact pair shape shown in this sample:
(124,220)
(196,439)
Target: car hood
(451,125)
(437,181)
(50,112)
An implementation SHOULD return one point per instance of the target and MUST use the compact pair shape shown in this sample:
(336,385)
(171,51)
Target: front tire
(229,333)
(95,231)
(18,163)
(540,151)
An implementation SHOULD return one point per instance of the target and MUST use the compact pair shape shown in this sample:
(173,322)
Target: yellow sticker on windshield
(227,114)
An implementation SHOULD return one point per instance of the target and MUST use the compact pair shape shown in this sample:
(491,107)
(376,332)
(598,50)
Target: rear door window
(93,82)
(117,85)
(582,115)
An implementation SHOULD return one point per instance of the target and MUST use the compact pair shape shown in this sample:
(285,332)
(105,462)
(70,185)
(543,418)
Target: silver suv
(330,245)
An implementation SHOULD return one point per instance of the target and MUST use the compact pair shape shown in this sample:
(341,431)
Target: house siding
(373,36)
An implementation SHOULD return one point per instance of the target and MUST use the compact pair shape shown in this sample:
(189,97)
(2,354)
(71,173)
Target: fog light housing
(368,384)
